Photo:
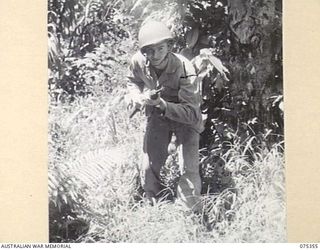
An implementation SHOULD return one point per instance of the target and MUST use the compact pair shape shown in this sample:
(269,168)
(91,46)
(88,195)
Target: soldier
(176,110)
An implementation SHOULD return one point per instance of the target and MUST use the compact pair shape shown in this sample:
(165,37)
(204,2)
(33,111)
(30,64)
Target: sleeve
(135,84)
(187,111)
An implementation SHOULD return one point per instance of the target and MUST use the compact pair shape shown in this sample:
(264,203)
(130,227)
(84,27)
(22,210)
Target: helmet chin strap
(163,63)
(148,63)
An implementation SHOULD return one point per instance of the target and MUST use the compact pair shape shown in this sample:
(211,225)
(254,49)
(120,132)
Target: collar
(172,63)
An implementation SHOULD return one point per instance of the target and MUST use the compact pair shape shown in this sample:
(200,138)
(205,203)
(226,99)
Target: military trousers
(156,140)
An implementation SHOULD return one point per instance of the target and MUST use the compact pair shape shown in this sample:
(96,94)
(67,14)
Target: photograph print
(166,121)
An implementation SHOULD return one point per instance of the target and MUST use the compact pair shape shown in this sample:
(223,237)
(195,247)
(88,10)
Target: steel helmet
(153,32)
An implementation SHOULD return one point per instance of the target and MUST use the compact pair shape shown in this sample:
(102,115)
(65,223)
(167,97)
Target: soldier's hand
(153,102)
(158,103)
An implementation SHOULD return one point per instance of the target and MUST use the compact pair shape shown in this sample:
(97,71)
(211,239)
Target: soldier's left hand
(153,102)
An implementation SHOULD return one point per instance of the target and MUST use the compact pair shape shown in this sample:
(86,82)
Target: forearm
(183,113)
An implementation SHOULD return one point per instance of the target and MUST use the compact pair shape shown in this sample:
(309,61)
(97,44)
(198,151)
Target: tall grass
(93,142)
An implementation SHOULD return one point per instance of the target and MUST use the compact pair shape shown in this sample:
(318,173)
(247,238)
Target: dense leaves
(79,60)
(246,36)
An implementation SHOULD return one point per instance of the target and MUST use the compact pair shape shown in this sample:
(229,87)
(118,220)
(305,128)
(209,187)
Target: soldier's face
(157,54)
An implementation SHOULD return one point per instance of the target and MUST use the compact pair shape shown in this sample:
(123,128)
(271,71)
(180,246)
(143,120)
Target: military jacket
(180,89)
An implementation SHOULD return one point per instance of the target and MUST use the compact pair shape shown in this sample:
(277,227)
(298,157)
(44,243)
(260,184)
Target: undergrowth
(95,147)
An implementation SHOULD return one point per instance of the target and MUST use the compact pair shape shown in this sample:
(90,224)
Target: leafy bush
(85,153)
(86,40)
(253,211)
